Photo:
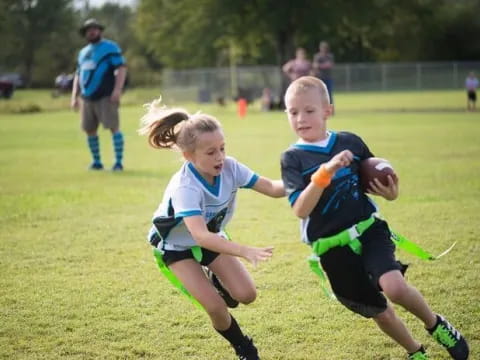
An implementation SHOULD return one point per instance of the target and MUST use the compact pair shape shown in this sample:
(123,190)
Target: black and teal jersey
(96,67)
(342,203)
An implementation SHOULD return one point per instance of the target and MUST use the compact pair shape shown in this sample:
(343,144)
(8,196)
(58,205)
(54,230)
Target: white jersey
(189,194)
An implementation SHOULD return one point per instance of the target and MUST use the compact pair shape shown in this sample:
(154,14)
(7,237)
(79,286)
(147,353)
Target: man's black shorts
(170,256)
(354,278)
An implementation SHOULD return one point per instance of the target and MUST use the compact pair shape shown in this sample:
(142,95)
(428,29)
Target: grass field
(78,280)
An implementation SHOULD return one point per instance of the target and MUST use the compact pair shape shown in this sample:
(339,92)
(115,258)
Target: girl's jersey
(342,203)
(189,194)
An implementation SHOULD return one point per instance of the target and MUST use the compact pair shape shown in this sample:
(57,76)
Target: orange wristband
(322,177)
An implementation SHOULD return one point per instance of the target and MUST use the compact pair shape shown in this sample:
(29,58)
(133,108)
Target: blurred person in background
(99,80)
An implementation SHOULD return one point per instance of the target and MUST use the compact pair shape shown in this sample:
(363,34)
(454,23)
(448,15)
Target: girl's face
(307,113)
(209,154)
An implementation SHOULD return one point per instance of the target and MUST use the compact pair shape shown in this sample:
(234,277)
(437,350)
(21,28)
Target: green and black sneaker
(420,354)
(450,338)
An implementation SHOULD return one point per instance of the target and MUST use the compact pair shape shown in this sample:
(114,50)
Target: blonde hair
(167,128)
(305,83)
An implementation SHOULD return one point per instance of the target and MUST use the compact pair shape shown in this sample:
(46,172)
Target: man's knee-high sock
(118,143)
(94,146)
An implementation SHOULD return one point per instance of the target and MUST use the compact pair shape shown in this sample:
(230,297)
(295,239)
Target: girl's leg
(234,277)
(190,273)
(398,291)
(394,327)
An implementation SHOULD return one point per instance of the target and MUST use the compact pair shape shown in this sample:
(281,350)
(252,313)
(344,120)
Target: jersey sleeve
(186,201)
(292,176)
(365,152)
(243,176)
(116,58)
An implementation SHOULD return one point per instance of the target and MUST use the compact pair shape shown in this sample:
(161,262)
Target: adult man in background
(323,63)
(99,79)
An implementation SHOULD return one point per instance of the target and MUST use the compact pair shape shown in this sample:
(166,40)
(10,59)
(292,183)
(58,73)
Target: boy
(320,173)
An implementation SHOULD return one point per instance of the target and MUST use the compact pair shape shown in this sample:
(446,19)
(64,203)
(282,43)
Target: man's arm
(75,88)
(119,82)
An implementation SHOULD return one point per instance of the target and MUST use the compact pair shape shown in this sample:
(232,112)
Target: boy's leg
(394,327)
(398,291)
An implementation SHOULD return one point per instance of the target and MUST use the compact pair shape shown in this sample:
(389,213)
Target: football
(374,167)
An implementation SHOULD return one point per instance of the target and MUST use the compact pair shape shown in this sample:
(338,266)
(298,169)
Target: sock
(233,334)
(94,147)
(118,142)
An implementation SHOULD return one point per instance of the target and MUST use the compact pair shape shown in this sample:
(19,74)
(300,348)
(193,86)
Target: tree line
(39,38)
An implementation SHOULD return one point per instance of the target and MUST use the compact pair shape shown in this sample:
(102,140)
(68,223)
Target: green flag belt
(165,270)
(350,237)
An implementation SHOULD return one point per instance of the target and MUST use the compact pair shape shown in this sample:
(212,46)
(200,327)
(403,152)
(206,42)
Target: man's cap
(90,23)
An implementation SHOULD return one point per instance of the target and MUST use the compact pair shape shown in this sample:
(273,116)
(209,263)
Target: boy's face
(307,113)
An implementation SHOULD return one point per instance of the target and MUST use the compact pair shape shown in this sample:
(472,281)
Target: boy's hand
(389,192)
(340,160)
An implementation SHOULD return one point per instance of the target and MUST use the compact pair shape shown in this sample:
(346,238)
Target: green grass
(79,281)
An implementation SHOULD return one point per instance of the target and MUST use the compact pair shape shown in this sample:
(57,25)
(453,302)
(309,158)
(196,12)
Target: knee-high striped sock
(94,146)
(118,142)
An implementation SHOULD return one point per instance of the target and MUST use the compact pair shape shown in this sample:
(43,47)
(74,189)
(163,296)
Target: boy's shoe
(420,354)
(450,338)
(246,350)
(117,167)
(96,166)
(229,300)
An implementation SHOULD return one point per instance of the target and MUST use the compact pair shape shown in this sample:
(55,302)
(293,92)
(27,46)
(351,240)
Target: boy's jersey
(189,194)
(342,203)
(96,68)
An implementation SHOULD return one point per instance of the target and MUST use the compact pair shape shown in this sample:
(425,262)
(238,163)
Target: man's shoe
(450,338)
(96,166)
(420,354)
(246,350)
(117,167)
(229,300)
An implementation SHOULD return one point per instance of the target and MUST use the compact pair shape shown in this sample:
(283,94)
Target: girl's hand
(254,255)
(340,160)
(389,192)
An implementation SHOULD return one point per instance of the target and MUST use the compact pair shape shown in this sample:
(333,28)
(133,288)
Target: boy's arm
(309,197)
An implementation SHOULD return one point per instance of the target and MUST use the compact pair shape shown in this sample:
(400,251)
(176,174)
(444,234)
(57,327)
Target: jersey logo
(215,224)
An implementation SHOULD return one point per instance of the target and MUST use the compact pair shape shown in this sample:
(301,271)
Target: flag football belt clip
(346,237)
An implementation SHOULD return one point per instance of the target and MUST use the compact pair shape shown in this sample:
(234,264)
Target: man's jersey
(189,194)
(96,68)
(342,203)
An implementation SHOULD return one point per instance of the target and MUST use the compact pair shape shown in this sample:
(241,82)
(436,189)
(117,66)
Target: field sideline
(79,281)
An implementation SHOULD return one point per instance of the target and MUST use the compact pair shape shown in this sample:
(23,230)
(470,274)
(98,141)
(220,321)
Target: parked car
(6,89)
(16,79)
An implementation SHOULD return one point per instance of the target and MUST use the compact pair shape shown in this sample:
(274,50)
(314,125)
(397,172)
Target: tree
(30,25)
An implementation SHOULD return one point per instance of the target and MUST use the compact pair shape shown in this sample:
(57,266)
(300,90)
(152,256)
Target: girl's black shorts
(171,256)
(354,278)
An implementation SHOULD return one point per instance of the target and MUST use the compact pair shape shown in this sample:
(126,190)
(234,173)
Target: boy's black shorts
(472,95)
(354,278)
(171,256)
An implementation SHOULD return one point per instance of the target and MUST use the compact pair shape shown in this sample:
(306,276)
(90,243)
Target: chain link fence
(217,84)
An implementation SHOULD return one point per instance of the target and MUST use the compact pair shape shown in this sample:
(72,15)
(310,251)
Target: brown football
(374,167)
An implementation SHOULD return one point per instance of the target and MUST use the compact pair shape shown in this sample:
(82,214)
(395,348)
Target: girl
(198,203)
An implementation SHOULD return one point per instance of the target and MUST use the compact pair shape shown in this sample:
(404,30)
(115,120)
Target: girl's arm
(204,238)
(273,188)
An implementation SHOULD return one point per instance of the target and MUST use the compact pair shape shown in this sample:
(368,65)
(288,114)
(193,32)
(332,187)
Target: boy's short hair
(305,83)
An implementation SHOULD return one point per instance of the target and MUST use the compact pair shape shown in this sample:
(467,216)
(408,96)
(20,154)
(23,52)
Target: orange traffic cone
(242,107)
